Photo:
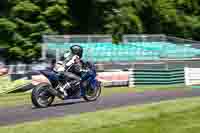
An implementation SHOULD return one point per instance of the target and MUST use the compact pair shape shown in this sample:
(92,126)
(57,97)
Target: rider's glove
(84,70)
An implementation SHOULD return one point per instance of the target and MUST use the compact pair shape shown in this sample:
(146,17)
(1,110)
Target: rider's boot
(64,88)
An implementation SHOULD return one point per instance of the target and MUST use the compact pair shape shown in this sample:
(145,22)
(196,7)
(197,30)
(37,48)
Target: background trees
(23,22)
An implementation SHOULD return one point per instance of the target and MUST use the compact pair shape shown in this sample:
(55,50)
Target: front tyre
(92,94)
(41,98)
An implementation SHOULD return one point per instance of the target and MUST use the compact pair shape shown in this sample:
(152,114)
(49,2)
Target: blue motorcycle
(44,93)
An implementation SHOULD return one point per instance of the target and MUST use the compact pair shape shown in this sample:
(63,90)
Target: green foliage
(7,29)
(56,15)
(22,23)
(28,21)
(16,53)
(25,10)
(7,25)
(122,19)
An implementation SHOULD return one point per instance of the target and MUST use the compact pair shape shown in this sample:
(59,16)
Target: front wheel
(41,98)
(92,94)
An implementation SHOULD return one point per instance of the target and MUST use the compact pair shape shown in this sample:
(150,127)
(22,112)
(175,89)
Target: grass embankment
(7,86)
(178,116)
(24,98)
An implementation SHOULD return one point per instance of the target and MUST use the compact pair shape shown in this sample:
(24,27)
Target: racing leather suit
(73,70)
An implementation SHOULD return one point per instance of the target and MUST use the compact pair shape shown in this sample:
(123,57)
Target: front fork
(94,84)
(82,90)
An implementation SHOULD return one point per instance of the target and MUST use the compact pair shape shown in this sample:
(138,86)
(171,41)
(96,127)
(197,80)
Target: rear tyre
(93,94)
(41,98)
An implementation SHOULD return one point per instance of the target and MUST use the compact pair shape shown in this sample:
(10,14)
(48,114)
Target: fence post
(57,55)
(131,82)
(187,75)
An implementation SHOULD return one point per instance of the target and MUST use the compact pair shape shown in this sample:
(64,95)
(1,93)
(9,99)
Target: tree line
(23,22)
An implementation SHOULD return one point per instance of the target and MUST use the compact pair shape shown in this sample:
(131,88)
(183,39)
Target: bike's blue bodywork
(90,76)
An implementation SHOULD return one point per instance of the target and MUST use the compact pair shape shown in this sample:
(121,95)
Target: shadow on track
(61,104)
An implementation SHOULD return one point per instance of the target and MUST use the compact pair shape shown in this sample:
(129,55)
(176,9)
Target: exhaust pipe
(56,93)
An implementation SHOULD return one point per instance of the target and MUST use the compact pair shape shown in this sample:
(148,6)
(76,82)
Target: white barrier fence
(192,76)
(109,78)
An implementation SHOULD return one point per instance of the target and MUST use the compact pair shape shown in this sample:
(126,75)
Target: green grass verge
(7,86)
(110,91)
(24,98)
(14,99)
(178,116)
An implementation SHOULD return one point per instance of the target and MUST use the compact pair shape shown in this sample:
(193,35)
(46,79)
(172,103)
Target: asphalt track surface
(26,113)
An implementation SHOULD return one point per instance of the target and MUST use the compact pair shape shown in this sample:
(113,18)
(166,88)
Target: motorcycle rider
(73,67)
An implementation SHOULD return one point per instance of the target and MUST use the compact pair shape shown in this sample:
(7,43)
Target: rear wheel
(92,94)
(41,97)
